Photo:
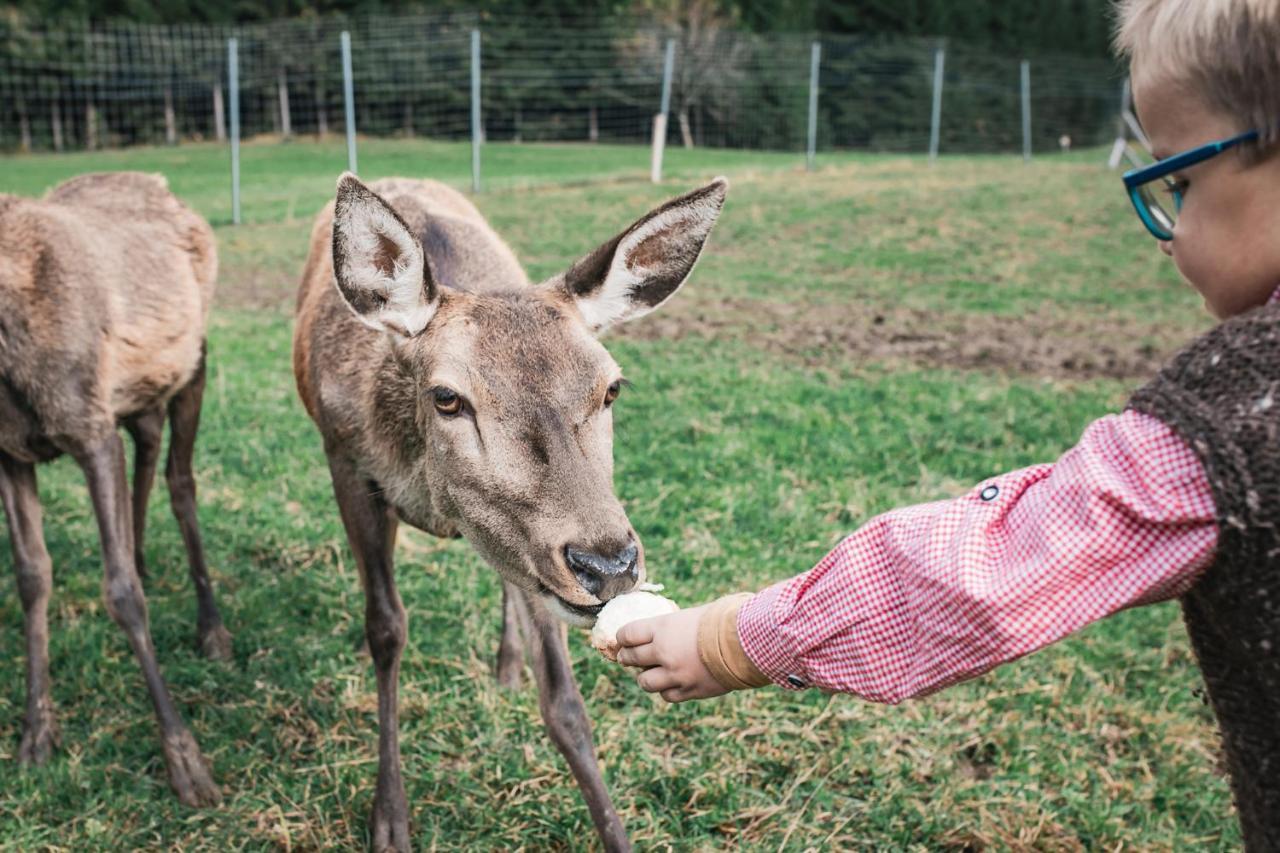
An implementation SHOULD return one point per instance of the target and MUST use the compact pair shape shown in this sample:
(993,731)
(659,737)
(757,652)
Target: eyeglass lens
(1162,201)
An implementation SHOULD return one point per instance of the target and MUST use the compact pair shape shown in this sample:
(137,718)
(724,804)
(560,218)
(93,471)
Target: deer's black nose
(604,576)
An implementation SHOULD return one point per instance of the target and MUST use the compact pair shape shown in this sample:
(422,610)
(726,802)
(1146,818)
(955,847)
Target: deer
(105,288)
(455,396)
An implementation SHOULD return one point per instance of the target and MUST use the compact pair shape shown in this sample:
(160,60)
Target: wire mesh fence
(88,87)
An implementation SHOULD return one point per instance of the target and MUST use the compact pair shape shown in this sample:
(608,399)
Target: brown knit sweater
(1222,396)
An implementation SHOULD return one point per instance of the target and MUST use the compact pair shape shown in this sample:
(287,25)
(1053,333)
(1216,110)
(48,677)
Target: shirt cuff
(720,649)
(762,641)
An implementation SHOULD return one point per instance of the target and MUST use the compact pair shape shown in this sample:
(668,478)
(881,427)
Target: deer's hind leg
(510,667)
(184,421)
(146,429)
(371,530)
(103,465)
(565,715)
(35,580)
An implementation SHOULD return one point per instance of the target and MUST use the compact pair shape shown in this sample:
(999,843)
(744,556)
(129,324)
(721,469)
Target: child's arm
(926,596)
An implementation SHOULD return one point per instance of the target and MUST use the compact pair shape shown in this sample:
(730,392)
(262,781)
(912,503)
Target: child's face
(1227,238)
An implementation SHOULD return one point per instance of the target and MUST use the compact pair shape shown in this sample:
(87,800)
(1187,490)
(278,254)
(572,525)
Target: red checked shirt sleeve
(930,595)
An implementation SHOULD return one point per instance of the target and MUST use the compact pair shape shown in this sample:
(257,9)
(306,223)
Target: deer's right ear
(645,265)
(378,262)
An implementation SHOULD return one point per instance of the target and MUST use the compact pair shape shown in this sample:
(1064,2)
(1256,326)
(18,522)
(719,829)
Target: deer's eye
(611,393)
(447,402)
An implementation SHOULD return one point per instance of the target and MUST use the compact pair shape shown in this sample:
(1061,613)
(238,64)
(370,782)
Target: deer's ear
(642,267)
(378,262)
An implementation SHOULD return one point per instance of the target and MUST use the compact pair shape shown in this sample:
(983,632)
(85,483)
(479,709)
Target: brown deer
(455,396)
(105,286)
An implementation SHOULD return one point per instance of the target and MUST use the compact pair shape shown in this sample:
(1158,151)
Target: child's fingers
(636,633)
(645,655)
(657,679)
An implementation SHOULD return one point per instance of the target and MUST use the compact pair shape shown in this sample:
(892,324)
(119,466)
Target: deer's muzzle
(605,576)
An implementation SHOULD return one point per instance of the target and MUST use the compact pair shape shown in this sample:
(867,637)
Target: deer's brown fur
(105,287)
(410,302)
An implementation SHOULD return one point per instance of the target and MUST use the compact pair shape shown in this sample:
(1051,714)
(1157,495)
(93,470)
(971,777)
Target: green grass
(743,453)
(287,181)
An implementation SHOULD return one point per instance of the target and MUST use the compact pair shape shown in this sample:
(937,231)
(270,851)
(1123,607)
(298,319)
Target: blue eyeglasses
(1159,211)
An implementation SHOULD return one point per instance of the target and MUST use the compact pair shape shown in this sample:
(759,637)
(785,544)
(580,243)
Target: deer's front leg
(371,530)
(31,562)
(566,716)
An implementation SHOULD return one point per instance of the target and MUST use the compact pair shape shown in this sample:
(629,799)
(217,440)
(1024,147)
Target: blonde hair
(1227,51)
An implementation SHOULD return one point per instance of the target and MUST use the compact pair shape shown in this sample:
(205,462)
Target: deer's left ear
(642,267)
(378,263)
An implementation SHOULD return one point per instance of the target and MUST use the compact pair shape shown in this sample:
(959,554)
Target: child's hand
(667,646)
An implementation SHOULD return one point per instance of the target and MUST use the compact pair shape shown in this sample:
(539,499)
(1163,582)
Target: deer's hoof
(188,772)
(215,644)
(39,741)
(390,827)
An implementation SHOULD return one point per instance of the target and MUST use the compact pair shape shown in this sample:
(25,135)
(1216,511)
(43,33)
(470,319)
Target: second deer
(105,287)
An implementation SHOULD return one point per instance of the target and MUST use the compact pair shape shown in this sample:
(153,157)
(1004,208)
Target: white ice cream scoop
(627,608)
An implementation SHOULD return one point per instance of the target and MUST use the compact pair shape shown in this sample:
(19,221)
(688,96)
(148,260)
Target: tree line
(1080,27)
(69,83)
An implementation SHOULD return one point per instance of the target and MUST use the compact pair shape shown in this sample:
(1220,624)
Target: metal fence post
(476,129)
(935,123)
(282,92)
(1121,144)
(170,120)
(660,120)
(233,92)
(55,124)
(1026,111)
(219,114)
(815,57)
(668,67)
(349,98)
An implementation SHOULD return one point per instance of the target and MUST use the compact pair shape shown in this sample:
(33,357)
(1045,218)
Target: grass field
(875,333)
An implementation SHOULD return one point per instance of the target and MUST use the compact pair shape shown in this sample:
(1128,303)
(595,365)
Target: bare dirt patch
(1048,342)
